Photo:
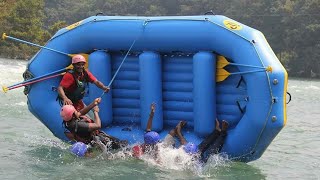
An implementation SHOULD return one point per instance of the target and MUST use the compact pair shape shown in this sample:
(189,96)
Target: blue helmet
(151,137)
(190,148)
(79,149)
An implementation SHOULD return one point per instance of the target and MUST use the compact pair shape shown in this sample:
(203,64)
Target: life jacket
(90,137)
(79,92)
(74,135)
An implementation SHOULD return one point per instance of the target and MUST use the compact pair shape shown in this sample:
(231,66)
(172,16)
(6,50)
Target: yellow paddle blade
(222,62)
(69,67)
(269,69)
(5,89)
(221,75)
(4,36)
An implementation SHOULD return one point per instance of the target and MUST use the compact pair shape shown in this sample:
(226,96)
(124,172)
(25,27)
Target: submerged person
(151,138)
(169,140)
(83,129)
(73,84)
(212,144)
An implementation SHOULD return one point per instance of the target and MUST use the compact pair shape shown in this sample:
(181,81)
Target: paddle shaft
(32,82)
(36,78)
(37,45)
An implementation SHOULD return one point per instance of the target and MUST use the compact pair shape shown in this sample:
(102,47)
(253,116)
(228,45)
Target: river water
(28,150)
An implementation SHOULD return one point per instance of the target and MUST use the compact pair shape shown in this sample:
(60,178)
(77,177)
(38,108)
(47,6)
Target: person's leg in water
(204,145)
(110,141)
(169,139)
(215,148)
(178,128)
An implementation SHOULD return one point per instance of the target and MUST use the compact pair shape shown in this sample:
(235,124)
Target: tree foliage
(292,27)
(26,22)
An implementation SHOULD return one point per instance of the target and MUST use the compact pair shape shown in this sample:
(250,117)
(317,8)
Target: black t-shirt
(80,127)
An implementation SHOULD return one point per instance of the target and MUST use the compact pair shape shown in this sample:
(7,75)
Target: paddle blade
(5,89)
(222,62)
(4,36)
(221,75)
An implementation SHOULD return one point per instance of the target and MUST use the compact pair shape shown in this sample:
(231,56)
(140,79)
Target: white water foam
(173,159)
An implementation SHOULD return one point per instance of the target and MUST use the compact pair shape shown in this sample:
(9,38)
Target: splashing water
(30,151)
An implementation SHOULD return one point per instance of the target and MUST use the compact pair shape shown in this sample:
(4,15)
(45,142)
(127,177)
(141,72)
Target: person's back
(83,129)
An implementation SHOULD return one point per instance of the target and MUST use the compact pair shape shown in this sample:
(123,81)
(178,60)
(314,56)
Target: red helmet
(67,112)
(78,58)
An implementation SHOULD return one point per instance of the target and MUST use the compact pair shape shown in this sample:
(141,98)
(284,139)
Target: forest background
(292,27)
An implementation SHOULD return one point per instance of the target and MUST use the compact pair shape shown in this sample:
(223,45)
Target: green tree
(6,7)
(301,38)
(26,22)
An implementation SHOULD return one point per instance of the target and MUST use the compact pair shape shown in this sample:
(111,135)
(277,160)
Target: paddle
(222,62)
(4,37)
(222,74)
(5,89)
(36,79)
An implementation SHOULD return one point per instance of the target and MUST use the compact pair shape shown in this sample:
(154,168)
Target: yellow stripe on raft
(285,96)
(285,88)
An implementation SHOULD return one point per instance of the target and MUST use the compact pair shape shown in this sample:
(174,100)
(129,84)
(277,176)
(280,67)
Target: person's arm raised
(86,109)
(97,124)
(152,110)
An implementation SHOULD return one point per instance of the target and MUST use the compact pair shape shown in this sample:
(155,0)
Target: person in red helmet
(73,84)
(83,129)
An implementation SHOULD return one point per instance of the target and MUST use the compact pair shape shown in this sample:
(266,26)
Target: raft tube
(174,62)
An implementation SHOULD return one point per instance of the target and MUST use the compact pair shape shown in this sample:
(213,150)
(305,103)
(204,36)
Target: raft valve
(275,81)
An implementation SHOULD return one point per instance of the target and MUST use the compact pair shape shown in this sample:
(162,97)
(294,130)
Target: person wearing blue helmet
(151,138)
(212,144)
(79,149)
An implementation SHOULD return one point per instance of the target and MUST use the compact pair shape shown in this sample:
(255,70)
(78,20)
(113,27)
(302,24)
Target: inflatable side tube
(100,66)
(151,89)
(204,94)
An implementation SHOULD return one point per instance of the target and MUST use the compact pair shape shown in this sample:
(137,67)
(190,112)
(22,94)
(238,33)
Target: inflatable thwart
(195,68)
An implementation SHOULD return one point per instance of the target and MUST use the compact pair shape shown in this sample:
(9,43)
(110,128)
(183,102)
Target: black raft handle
(100,14)
(209,12)
(289,97)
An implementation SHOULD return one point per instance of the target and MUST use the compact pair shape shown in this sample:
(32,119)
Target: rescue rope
(125,57)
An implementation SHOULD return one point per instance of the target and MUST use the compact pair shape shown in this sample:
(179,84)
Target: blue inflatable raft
(195,68)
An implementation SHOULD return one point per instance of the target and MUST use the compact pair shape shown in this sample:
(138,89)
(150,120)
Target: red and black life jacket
(88,137)
(74,134)
(80,90)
